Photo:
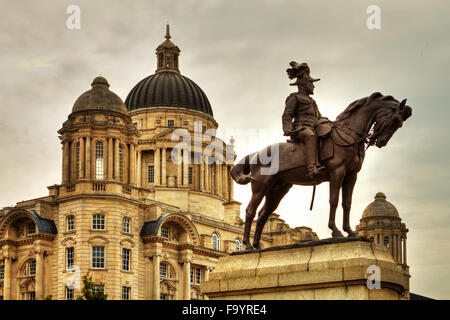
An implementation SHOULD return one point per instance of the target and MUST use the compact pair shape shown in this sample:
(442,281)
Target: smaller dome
(99,98)
(380,208)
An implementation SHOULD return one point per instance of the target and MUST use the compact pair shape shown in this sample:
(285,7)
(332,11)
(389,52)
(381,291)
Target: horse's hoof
(337,234)
(257,246)
(350,232)
(249,248)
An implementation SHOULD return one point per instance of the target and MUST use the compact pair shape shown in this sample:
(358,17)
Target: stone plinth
(326,269)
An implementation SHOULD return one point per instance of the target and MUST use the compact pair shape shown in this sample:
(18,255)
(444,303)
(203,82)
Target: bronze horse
(368,121)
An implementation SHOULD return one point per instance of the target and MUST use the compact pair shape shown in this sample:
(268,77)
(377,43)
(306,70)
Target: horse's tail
(241,171)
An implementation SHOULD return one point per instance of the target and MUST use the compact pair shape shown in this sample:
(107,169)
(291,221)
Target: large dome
(168,88)
(99,97)
(380,208)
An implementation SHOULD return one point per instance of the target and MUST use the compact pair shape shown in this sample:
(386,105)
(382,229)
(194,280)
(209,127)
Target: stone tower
(382,224)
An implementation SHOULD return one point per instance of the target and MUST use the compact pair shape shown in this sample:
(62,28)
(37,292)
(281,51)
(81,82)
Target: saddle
(291,154)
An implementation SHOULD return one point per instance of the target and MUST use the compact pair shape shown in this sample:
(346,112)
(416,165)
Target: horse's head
(390,116)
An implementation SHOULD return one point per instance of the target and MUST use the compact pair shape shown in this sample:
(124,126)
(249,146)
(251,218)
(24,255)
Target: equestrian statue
(317,151)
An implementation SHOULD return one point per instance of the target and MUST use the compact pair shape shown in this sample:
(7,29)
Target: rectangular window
(98,222)
(165,232)
(170,123)
(151,174)
(195,275)
(2,272)
(69,293)
(32,267)
(70,258)
(98,288)
(31,228)
(125,259)
(162,270)
(70,223)
(126,293)
(190,175)
(32,295)
(162,296)
(98,257)
(126,225)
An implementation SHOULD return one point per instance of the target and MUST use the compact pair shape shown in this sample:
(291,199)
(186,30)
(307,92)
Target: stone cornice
(28,240)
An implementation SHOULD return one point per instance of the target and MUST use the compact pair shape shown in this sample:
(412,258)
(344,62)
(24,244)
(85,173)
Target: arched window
(70,223)
(238,244)
(31,228)
(99,160)
(386,241)
(29,269)
(120,163)
(165,232)
(166,271)
(216,241)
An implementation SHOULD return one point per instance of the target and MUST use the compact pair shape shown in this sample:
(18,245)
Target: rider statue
(301,115)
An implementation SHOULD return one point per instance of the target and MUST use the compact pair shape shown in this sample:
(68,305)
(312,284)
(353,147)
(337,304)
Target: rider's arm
(288,114)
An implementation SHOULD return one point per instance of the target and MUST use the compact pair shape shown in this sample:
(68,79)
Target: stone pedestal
(329,269)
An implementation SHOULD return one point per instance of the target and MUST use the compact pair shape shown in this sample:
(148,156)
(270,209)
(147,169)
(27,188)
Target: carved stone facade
(144,226)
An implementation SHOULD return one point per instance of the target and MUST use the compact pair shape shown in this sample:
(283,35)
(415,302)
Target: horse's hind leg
(273,198)
(258,191)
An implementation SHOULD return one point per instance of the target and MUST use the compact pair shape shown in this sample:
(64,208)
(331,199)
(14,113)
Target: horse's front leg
(336,178)
(347,191)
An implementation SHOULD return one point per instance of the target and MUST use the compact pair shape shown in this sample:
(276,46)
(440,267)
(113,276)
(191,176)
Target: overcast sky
(237,52)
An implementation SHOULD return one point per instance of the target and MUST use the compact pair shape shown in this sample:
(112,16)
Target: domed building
(146,204)
(382,224)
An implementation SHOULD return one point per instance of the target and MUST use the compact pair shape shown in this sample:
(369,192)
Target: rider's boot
(311,150)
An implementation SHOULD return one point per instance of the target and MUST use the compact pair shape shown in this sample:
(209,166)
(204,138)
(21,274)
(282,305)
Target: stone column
(399,248)
(7,279)
(202,172)
(39,288)
(218,180)
(82,157)
(179,169)
(65,172)
(139,169)
(225,181)
(163,168)
(156,167)
(231,186)
(132,165)
(186,158)
(404,251)
(156,277)
(116,160)
(187,279)
(110,159)
(206,278)
(207,184)
(88,158)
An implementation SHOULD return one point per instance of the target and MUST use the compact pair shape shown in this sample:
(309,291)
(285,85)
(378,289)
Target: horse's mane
(357,104)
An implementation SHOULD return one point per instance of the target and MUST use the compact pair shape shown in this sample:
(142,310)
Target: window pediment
(98,241)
